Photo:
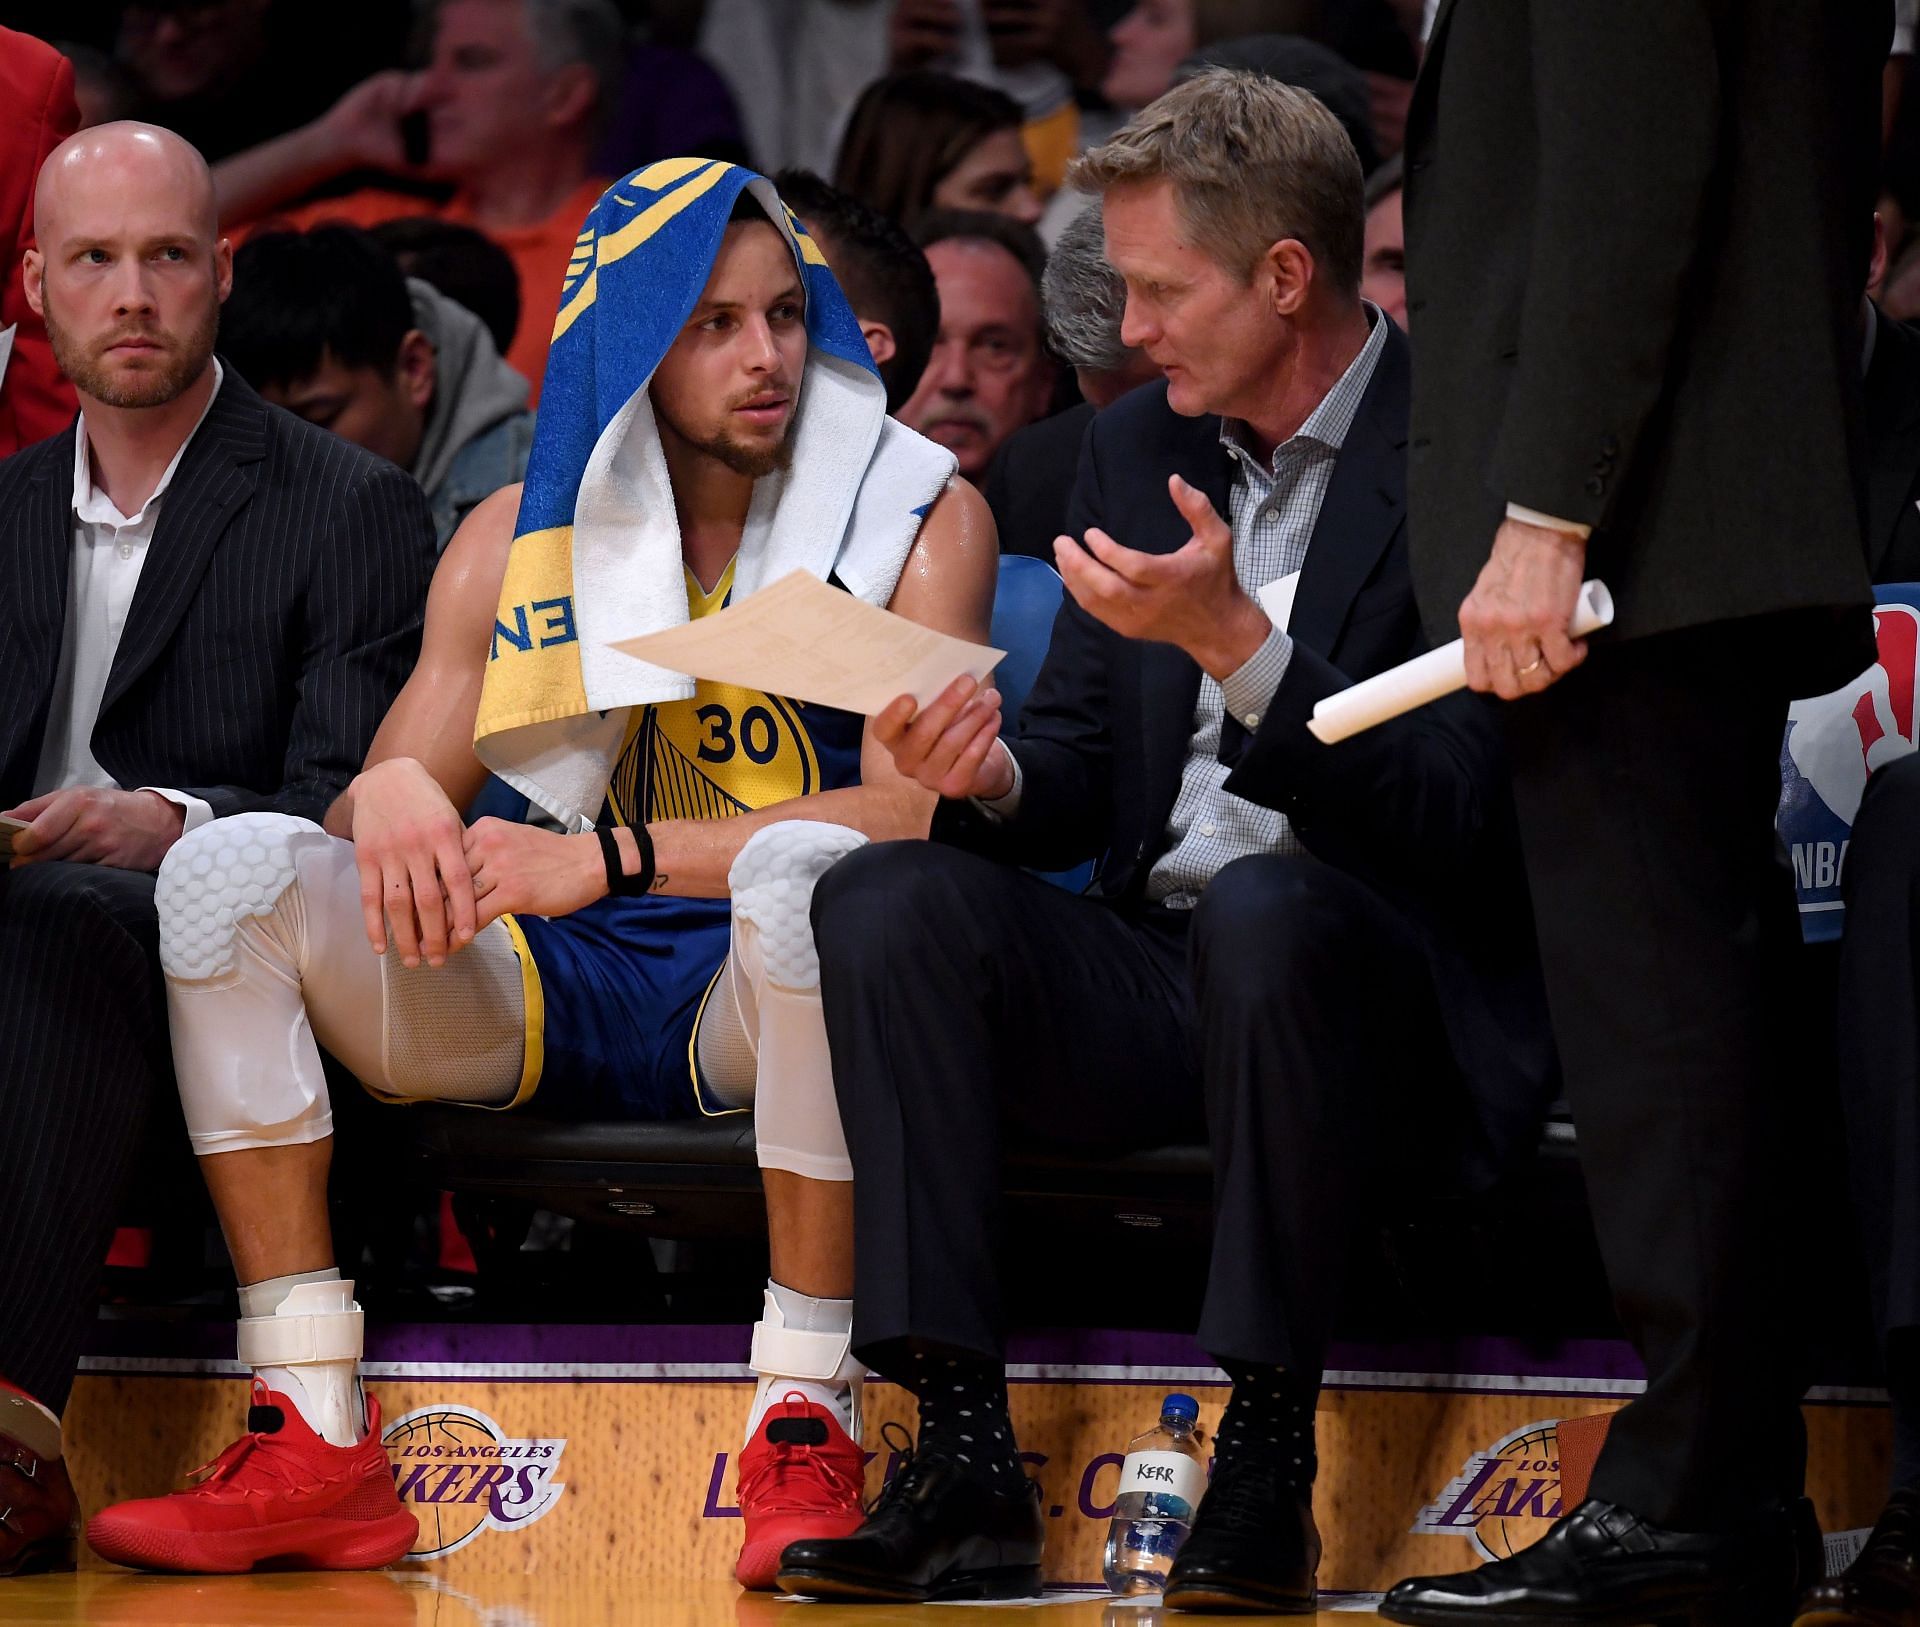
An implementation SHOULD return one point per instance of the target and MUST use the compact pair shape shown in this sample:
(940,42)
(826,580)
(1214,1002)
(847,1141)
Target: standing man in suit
(1590,405)
(37,113)
(1261,899)
(205,607)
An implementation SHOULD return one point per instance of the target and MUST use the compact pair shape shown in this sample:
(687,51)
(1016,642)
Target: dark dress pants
(1646,784)
(971,1007)
(83,1050)
(1880,1038)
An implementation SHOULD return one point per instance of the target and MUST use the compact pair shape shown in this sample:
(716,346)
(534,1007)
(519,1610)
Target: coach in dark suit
(1321,953)
(1636,240)
(205,607)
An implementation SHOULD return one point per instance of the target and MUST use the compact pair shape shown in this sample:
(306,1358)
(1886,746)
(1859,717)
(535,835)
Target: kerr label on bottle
(1169,1474)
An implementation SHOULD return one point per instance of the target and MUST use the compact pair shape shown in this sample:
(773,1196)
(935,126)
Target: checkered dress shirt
(1272,510)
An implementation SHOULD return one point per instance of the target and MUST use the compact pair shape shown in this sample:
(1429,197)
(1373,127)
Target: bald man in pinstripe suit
(206,606)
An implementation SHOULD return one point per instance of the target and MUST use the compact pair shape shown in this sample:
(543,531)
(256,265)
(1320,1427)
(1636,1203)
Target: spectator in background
(1383,274)
(324,324)
(796,68)
(670,103)
(103,87)
(513,97)
(1084,302)
(1156,36)
(242,602)
(924,141)
(990,373)
(1042,53)
(37,113)
(1307,65)
(883,273)
(464,264)
(228,74)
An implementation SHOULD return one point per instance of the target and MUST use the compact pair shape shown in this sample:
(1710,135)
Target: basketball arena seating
(1433,1265)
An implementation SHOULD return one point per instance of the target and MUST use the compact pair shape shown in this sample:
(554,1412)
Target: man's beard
(85,366)
(752,461)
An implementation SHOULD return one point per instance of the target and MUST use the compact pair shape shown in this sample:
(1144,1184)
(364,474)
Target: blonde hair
(1252,162)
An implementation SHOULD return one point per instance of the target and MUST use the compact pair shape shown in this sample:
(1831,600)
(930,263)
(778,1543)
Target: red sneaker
(279,1493)
(800,1476)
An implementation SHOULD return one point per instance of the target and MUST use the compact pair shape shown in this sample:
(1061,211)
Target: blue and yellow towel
(596,554)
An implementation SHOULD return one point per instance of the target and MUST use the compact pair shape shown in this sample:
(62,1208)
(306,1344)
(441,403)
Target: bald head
(128,269)
(120,161)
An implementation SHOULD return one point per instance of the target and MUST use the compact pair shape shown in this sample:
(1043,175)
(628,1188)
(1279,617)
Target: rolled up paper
(1428,677)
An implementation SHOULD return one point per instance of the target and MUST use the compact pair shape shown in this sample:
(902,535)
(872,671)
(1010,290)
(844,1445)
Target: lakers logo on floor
(1505,1498)
(460,1474)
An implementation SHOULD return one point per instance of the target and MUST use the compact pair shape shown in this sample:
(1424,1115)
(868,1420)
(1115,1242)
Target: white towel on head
(849,507)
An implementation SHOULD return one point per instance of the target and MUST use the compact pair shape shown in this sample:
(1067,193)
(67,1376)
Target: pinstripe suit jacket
(276,618)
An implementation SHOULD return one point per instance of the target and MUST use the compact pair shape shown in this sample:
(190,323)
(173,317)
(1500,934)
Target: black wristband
(619,884)
(643,839)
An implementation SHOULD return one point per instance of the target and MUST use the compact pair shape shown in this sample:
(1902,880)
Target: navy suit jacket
(1417,808)
(278,613)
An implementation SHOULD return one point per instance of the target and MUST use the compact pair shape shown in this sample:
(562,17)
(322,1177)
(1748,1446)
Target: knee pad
(219,876)
(772,883)
(244,1057)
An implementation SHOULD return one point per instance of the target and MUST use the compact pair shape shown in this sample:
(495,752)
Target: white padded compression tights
(772,980)
(266,960)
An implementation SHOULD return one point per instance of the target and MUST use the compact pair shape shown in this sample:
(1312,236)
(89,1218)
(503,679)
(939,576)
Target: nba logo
(1834,742)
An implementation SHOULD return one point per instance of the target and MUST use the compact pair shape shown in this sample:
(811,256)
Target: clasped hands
(1190,597)
(434,882)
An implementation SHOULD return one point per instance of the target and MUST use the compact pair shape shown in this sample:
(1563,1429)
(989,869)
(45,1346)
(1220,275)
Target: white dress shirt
(109,552)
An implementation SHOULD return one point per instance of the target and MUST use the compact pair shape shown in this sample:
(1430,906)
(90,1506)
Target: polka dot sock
(1270,1417)
(963,1414)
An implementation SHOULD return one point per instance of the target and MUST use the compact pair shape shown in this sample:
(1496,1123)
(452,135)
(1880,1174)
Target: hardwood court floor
(379,1599)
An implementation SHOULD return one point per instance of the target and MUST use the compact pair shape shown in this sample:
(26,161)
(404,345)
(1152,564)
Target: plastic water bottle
(1160,1486)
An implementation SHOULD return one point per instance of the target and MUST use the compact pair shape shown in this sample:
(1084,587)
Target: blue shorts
(614,996)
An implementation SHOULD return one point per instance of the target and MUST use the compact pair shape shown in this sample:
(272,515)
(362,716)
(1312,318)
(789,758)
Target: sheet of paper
(1276,598)
(7,828)
(801,639)
(6,349)
(1428,677)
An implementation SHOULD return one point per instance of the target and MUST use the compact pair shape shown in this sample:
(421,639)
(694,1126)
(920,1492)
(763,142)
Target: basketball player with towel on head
(711,421)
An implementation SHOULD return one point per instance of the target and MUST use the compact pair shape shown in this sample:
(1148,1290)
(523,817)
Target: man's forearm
(693,856)
(248,184)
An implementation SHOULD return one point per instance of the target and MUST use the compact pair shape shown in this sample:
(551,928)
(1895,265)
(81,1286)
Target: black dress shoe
(1604,1566)
(39,1517)
(1254,1546)
(936,1531)
(1881,1588)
